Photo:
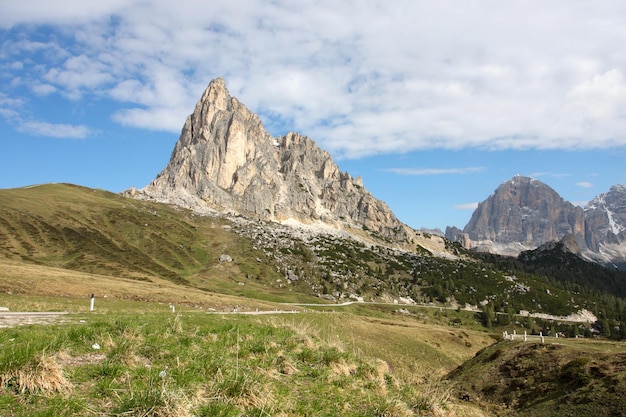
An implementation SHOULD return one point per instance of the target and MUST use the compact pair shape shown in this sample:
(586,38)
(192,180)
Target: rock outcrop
(523,213)
(566,245)
(225,160)
(606,226)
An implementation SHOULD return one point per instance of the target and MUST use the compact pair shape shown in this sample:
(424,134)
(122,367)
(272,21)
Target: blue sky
(434,104)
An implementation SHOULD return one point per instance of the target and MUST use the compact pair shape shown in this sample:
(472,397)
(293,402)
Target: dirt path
(21,318)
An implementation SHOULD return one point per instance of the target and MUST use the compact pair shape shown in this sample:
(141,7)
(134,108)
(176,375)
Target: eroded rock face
(527,211)
(606,225)
(566,245)
(226,160)
(524,214)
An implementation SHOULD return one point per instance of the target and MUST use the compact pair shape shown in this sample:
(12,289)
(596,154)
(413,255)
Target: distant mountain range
(227,162)
(524,213)
(282,219)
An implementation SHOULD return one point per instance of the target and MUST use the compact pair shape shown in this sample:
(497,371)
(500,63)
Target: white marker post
(93,300)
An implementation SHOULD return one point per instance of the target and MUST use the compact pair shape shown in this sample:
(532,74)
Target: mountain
(60,239)
(524,214)
(567,245)
(225,160)
(606,226)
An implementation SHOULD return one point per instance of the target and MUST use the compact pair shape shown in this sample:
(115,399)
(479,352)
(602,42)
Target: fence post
(93,299)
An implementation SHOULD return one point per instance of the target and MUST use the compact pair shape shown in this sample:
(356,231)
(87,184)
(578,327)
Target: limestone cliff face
(606,225)
(525,212)
(226,160)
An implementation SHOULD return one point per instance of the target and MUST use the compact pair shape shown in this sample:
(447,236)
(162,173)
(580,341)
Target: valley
(358,307)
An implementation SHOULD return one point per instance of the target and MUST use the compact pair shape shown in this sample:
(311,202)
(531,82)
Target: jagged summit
(606,225)
(225,160)
(523,213)
(566,245)
(527,211)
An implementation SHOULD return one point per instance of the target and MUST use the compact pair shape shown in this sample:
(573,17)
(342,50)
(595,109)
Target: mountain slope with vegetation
(93,231)
(60,242)
(553,379)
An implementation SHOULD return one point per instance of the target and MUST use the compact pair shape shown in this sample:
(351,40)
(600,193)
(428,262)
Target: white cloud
(466,206)
(584,184)
(58,11)
(360,79)
(55,130)
(79,73)
(435,171)
(153,119)
(601,98)
(10,107)
(43,89)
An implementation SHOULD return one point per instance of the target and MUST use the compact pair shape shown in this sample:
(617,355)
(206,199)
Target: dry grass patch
(284,365)
(343,368)
(43,375)
(92,358)
(45,281)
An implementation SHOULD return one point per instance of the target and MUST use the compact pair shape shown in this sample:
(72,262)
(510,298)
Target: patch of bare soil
(14,319)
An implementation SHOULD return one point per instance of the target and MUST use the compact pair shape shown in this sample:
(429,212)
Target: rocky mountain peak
(225,160)
(606,225)
(522,213)
(555,252)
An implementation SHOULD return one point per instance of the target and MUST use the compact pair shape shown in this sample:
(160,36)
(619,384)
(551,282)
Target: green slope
(573,377)
(98,232)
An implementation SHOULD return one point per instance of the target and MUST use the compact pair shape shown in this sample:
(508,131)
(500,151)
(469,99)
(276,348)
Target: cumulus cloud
(466,206)
(10,107)
(43,89)
(55,130)
(360,79)
(58,11)
(167,119)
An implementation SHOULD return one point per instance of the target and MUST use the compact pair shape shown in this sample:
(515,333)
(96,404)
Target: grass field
(142,362)
(134,357)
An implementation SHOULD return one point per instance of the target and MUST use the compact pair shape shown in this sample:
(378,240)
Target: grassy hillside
(71,228)
(134,358)
(136,361)
(572,377)
(104,234)
(59,243)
